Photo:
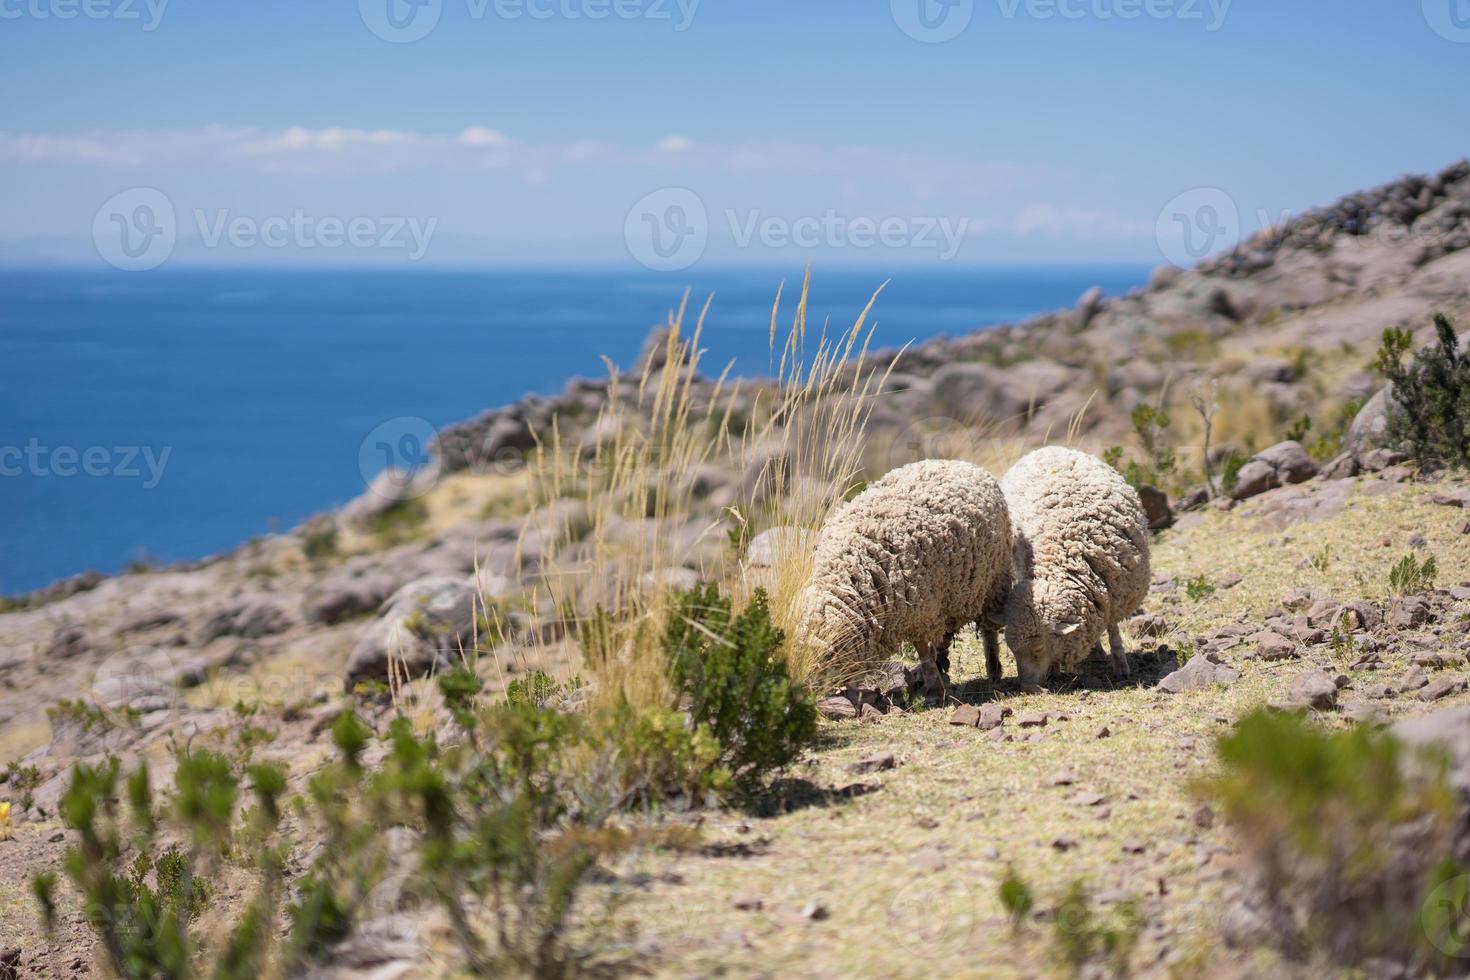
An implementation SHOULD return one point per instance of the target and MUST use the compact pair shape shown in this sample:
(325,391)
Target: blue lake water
(169,415)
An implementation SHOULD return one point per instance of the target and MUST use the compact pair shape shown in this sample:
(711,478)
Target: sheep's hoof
(1120,665)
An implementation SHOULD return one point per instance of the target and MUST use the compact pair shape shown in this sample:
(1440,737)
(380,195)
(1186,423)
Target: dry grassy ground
(905,869)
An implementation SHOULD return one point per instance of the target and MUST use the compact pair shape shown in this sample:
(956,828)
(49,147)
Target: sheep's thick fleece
(916,557)
(1082,561)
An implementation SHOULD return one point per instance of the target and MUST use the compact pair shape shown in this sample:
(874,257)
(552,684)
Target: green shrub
(1082,937)
(1411,576)
(1230,471)
(144,911)
(402,522)
(1198,588)
(1345,843)
(1432,393)
(730,675)
(1016,898)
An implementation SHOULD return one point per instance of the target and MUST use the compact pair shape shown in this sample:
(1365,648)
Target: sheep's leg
(1120,655)
(934,685)
(991,639)
(941,657)
(1097,652)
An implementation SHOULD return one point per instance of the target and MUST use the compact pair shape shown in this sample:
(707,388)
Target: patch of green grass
(1412,576)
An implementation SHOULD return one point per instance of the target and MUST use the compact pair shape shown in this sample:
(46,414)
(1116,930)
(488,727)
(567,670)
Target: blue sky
(1043,131)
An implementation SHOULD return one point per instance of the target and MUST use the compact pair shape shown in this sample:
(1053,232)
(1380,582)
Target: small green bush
(1432,393)
(1198,588)
(1346,837)
(1082,937)
(1411,576)
(731,677)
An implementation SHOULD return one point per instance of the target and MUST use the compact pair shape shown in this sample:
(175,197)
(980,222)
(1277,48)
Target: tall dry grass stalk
(790,448)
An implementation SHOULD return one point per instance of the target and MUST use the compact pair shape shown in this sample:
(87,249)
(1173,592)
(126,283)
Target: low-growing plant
(402,522)
(1016,898)
(1198,588)
(1431,395)
(1410,576)
(23,781)
(145,911)
(1346,832)
(1321,560)
(730,676)
(1230,471)
(1081,937)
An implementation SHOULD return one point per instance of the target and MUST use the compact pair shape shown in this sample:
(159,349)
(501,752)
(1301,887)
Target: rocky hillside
(1250,581)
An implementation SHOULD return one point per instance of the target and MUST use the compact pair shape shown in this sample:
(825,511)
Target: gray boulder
(250,619)
(766,548)
(389,489)
(1370,426)
(1204,670)
(349,595)
(424,626)
(1281,464)
(1156,507)
(971,391)
(1089,305)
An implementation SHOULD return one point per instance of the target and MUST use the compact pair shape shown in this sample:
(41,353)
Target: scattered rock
(1272,646)
(814,912)
(1203,670)
(1442,687)
(874,763)
(992,715)
(1417,540)
(1314,689)
(1089,798)
(250,619)
(1155,507)
(1413,680)
(1063,777)
(837,707)
(1407,612)
(67,642)
(965,714)
(748,903)
(1281,464)
(1103,732)
(1455,498)
(1034,719)
(1089,305)
(1203,817)
(1064,843)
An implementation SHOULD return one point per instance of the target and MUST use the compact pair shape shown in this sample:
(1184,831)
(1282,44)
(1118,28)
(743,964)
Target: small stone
(874,763)
(1443,687)
(930,859)
(1134,847)
(965,714)
(837,708)
(1408,612)
(1376,692)
(997,735)
(748,903)
(1103,732)
(1417,540)
(1203,817)
(1413,680)
(1315,689)
(1363,712)
(1431,660)
(1464,527)
(1034,719)
(1063,777)
(1064,843)
(926,823)
(1089,798)
(992,715)
(57,837)
(1453,499)
(871,713)
(1273,646)
(814,912)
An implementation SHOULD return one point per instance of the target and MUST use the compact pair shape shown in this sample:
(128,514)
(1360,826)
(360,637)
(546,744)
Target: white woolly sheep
(920,554)
(1081,560)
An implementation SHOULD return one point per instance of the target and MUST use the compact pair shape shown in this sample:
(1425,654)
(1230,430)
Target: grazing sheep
(916,557)
(1081,564)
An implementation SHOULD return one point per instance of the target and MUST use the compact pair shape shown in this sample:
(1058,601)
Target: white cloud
(341,151)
